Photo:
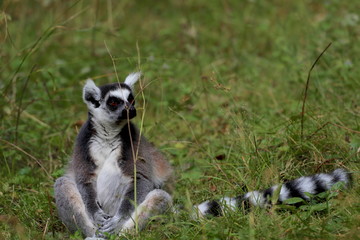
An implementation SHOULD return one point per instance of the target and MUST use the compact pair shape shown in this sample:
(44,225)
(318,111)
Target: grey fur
(96,195)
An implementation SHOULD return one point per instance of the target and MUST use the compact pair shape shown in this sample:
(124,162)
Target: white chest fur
(111,183)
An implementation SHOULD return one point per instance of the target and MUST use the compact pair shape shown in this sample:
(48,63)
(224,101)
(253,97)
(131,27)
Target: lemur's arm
(84,169)
(88,194)
(86,187)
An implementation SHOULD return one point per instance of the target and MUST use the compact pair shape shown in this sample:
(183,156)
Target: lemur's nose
(129,111)
(128,105)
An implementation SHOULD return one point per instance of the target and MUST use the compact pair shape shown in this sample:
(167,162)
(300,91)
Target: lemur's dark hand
(111,225)
(100,217)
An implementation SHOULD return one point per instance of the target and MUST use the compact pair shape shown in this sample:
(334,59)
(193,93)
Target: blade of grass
(306,90)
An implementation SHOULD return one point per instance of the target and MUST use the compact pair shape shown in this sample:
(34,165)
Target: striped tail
(313,184)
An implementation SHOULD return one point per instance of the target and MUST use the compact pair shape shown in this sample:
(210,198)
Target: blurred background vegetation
(224,90)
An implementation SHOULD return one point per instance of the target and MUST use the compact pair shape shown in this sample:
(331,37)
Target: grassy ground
(226,83)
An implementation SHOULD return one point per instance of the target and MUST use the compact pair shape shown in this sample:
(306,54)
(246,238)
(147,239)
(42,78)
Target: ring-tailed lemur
(96,195)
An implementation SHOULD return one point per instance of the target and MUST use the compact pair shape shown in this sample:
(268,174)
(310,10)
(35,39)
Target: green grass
(226,78)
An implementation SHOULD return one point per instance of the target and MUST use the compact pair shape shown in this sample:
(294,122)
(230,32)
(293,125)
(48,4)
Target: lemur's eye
(114,102)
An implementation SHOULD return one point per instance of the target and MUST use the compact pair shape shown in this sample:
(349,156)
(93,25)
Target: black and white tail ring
(313,184)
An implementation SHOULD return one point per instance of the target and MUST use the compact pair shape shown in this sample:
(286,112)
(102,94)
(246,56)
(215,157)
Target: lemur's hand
(111,225)
(100,217)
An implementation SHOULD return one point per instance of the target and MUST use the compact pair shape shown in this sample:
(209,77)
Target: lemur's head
(111,104)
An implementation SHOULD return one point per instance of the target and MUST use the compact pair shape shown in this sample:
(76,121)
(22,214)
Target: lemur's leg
(150,202)
(155,203)
(71,207)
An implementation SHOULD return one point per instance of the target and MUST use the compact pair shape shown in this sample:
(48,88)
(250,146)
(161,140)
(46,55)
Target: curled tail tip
(343,175)
(340,171)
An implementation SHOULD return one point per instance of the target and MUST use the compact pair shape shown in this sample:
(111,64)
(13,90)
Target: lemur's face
(111,104)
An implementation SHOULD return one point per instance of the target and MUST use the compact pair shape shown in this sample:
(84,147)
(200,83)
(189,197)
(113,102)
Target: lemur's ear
(132,79)
(91,94)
